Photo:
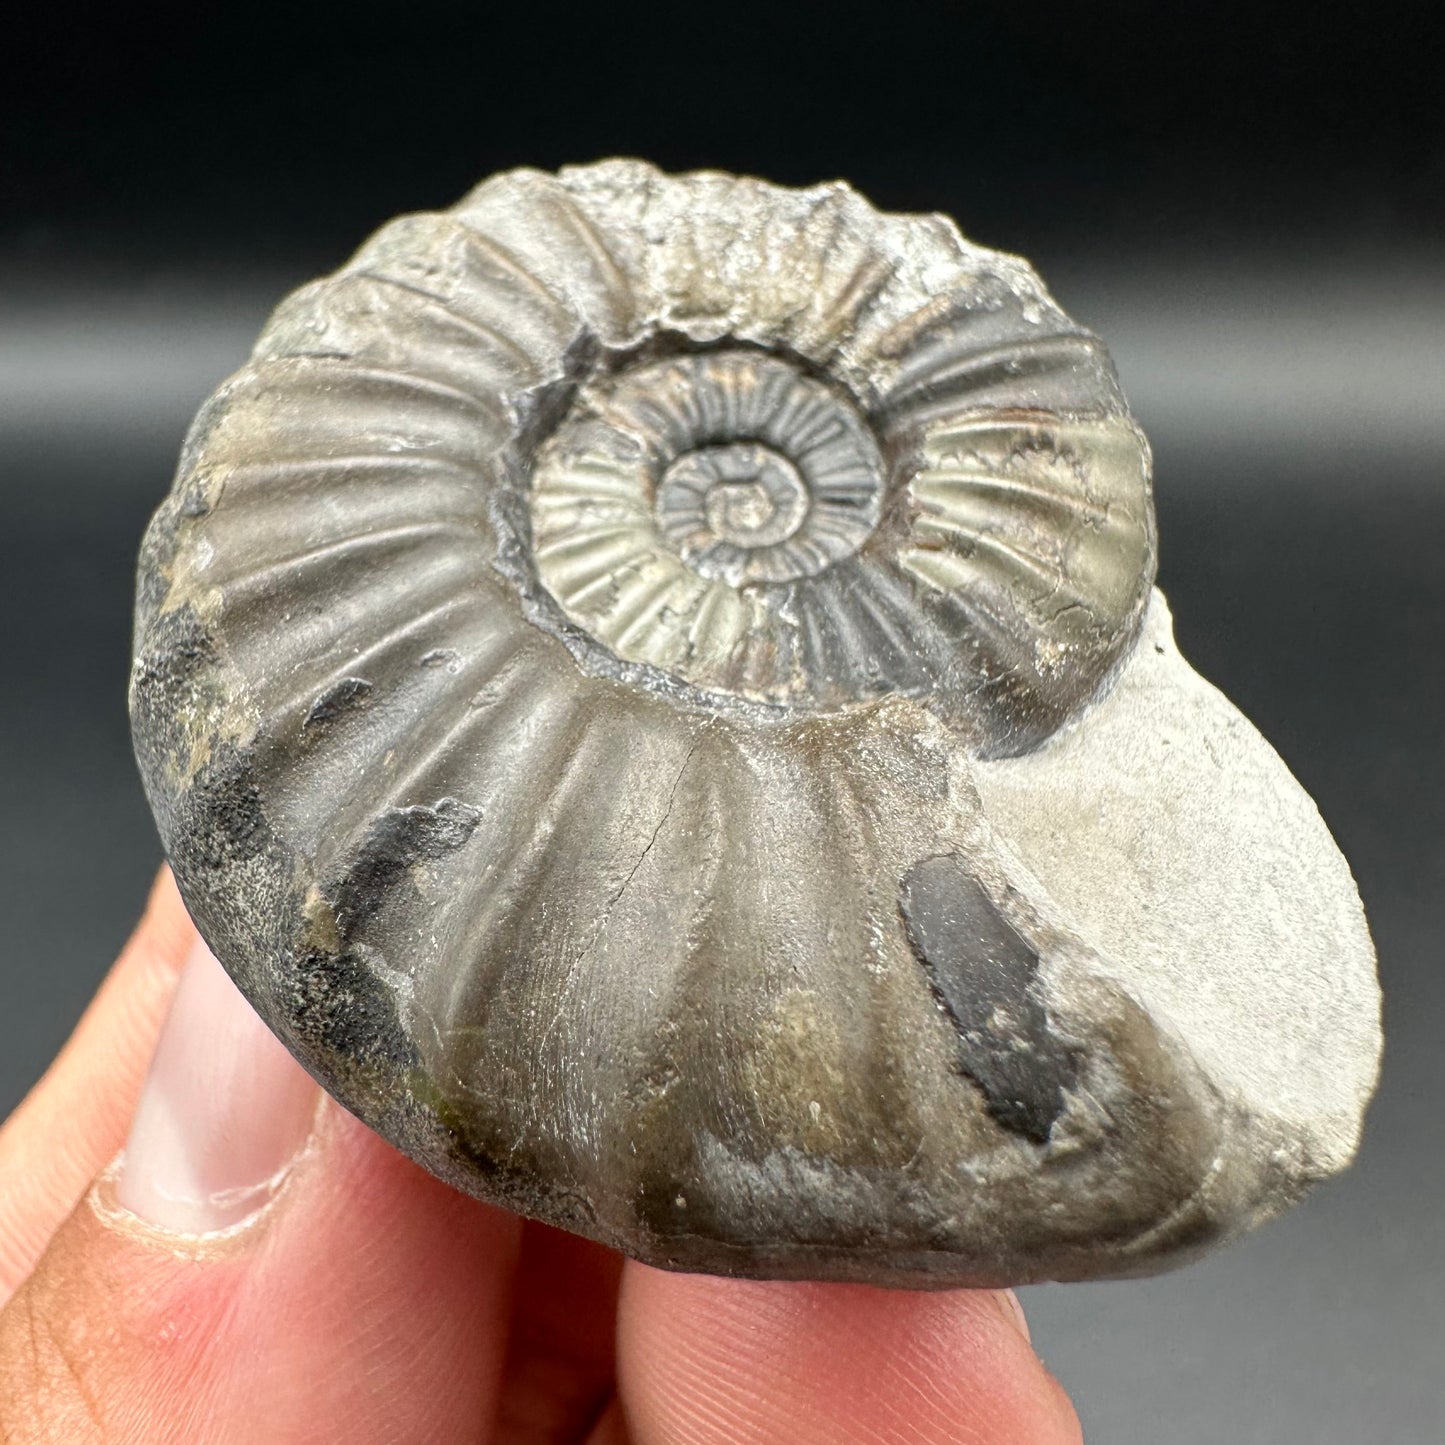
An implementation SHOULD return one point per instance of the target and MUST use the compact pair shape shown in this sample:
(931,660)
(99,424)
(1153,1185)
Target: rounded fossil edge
(1144,1166)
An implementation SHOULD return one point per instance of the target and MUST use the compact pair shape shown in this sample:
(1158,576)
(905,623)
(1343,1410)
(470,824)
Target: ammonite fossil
(652,686)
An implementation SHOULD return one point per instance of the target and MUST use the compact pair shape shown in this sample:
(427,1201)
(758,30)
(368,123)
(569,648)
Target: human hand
(258,1267)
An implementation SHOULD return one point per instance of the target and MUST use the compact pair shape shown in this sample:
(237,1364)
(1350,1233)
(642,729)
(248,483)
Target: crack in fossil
(656,832)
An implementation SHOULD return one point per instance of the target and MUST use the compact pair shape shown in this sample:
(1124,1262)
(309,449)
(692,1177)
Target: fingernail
(1013,1312)
(224,1111)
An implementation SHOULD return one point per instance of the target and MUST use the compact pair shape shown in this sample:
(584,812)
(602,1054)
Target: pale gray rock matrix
(653,687)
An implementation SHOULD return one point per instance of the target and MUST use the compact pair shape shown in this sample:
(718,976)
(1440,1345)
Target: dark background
(1247,202)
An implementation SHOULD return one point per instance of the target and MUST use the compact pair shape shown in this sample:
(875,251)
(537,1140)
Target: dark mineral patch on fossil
(394,842)
(179,649)
(351,1011)
(348,695)
(984,974)
(221,815)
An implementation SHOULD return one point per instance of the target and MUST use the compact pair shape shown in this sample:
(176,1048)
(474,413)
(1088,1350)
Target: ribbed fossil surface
(652,687)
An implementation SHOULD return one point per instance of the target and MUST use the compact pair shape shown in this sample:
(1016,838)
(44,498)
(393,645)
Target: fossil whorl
(565,670)
(736,443)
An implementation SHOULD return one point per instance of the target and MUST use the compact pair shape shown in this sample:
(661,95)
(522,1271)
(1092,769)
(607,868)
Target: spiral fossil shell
(651,686)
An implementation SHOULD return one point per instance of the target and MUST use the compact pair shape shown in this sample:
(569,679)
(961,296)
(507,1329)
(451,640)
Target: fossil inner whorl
(771,476)
(682,498)
(732,509)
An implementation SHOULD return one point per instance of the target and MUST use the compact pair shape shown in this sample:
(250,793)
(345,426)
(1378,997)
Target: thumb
(256,1266)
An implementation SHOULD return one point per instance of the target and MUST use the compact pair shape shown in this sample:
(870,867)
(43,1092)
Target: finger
(258,1266)
(704,1361)
(75,1118)
(559,1373)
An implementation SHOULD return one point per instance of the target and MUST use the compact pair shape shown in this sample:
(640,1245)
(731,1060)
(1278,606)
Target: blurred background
(1245,201)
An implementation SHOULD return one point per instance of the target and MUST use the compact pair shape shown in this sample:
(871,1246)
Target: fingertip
(364,1301)
(702,1361)
(223,1111)
(255,1262)
(77,1114)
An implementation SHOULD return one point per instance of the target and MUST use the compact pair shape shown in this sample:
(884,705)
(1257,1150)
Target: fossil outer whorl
(630,678)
